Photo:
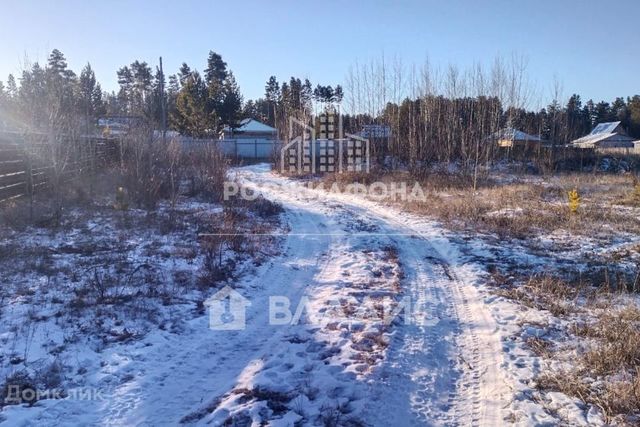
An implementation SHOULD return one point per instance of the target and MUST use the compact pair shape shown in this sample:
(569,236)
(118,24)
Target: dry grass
(540,346)
(519,206)
(606,339)
(545,292)
(597,343)
(617,337)
(512,205)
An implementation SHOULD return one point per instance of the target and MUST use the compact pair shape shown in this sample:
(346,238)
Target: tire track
(473,399)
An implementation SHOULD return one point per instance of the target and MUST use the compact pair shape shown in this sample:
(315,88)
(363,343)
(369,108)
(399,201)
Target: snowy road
(443,371)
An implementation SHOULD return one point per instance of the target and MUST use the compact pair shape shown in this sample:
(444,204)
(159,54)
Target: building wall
(619,150)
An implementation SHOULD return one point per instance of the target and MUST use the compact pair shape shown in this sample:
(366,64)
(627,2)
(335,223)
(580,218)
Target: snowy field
(460,357)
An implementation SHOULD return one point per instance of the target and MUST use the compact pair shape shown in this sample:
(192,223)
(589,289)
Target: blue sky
(589,46)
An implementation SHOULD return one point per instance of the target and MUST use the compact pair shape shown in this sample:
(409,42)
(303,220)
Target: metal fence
(29,162)
(248,149)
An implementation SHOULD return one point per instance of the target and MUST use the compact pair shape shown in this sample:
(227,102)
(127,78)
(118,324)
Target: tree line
(433,115)
(192,103)
(53,98)
(437,115)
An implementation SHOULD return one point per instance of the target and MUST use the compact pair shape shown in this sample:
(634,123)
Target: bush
(264,208)
(206,171)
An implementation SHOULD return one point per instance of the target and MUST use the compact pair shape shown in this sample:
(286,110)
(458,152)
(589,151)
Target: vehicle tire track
(473,400)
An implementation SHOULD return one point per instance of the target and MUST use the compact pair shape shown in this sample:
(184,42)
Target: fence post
(29,173)
(255,142)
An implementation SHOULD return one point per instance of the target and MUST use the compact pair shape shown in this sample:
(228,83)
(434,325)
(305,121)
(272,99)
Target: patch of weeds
(276,401)
(540,346)
(544,293)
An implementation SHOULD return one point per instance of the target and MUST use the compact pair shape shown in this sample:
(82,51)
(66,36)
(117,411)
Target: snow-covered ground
(450,360)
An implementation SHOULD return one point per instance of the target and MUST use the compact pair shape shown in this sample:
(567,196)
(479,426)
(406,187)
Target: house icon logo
(227,310)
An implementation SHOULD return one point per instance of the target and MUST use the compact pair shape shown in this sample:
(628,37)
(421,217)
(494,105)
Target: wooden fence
(30,162)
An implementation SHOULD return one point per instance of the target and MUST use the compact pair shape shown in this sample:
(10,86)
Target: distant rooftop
(603,128)
(252,125)
(515,135)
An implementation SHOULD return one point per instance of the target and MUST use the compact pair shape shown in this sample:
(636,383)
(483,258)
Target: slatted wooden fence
(28,162)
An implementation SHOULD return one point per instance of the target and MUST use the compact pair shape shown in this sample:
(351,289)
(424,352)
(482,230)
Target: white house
(250,129)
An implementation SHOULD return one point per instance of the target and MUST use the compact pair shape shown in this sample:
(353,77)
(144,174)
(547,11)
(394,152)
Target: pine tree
(90,96)
(272,96)
(231,108)
(590,114)
(97,99)
(191,116)
(184,73)
(295,94)
(633,105)
(257,109)
(125,80)
(619,112)
(32,97)
(575,121)
(87,87)
(136,89)
(603,112)
(57,62)
(60,89)
(306,94)
(173,89)
(12,88)
(143,89)
(338,94)
(215,79)
(216,70)
(158,97)
(284,102)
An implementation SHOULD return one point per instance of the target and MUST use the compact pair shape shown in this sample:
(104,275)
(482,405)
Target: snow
(454,360)
(252,125)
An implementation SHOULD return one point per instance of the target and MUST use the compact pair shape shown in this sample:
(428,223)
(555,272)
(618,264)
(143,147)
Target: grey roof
(516,135)
(601,128)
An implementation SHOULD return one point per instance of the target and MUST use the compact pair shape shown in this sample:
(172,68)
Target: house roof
(515,135)
(610,132)
(252,125)
(601,128)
